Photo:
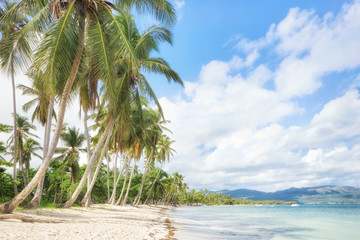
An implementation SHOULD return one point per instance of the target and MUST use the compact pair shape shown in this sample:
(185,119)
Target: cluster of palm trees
(91,49)
(152,186)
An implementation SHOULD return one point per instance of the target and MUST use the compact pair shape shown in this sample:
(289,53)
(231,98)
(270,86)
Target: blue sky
(208,30)
(271,96)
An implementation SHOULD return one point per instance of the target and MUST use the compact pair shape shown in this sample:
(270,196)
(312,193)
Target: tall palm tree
(158,181)
(12,56)
(69,155)
(22,134)
(43,100)
(164,152)
(70,24)
(88,96)
(128,67)
(30,149)
(41,93)
(153,132)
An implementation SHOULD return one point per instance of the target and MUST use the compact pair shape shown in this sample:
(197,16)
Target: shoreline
(100,221)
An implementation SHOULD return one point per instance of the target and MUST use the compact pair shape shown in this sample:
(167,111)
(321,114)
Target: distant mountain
(309,195)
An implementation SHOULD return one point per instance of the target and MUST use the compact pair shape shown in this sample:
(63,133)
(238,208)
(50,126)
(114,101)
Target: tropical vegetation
(90,50)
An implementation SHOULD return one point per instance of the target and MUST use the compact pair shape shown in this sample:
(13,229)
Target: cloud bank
(229,124)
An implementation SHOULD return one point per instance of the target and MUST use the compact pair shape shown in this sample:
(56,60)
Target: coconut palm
(70,24)
(69,155)
(22,133)
(12,55)
(88,97)
(41,93)
(128,67)
(175,186)
(43,101)
(164,152)
(153,132)
(158,181)
(30,149)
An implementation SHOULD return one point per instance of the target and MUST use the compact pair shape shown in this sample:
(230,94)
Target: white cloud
(229,130)
(179,5)
(311,47)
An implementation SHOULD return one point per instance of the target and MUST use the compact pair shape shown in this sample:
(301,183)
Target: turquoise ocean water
(337,222)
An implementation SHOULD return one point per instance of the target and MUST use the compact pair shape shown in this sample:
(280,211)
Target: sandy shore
(96,222)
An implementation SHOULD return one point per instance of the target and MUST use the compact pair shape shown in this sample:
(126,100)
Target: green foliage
(6,185)
(201,197)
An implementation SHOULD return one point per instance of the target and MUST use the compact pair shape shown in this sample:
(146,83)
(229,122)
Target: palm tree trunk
(138,197)
(87,136)
(124,184)
(55,196)
(88,192)
(129,185)
(115,171)
(9,207)
(113,194)
(89,167)
(108,179)
(35,202)
(15,130)
(21,166)
(152,186)
(61,193)
(71,187)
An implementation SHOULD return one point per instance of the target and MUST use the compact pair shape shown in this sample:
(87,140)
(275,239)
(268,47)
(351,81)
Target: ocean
(337,222)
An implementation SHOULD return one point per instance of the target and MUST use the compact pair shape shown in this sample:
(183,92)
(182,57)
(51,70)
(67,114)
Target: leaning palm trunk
(124,184)
(15,130)
(90,166)
(88,192)
(87,136)
(129,185)
(12,204)
(114,171)
(152,186)
(35,202)
(108,178)
(113,194)
(138,197)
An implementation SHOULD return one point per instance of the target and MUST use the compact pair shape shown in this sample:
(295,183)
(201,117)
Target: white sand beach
(96,222)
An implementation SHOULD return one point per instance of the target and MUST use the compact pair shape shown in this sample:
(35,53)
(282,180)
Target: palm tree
(12,56)
(158,181)
(164,153)
(152,134)
(88,97)
(44,112)
(69,155)
(22,134)
(175,186)
(29,149)
(77,21)
(128,66)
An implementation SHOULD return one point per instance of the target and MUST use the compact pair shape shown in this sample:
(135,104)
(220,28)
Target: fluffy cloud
(311,47)
(229,127)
